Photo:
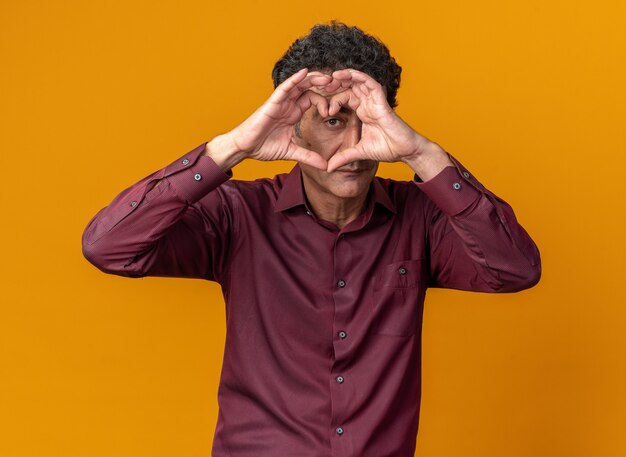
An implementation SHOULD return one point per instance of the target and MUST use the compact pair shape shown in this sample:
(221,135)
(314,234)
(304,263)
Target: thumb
(342,158)
(308,157)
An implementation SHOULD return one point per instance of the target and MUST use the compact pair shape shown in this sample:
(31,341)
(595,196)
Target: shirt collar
(291,194)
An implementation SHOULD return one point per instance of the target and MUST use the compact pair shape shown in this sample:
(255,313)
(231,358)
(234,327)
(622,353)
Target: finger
(346,83)
(337,101)
(288,84)
(364,78)
(344,157)
(345,98)
(358,91)
(297,83)
(356,77)
(308,157)
(342,74)
(310,98)
(312,80)
(333,86)
(344,77)
(318,73)
(363,85)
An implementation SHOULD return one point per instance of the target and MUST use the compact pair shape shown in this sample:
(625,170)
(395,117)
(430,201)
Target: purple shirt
(323,343)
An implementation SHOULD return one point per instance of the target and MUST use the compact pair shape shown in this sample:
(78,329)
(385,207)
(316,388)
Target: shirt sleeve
(475,240)
(158,227)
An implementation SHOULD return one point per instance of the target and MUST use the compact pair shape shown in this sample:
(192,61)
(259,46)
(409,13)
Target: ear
(297,136)
(296,129)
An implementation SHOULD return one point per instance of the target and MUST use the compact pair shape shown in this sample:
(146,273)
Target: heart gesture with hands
(385,137)
(268,134)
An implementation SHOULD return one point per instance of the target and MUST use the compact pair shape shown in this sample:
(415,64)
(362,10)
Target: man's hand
(268,133)
(385,137)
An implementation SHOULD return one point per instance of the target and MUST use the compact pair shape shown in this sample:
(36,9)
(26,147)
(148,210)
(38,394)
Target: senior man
(324,270)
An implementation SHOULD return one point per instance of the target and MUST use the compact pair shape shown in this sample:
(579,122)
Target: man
(324,270)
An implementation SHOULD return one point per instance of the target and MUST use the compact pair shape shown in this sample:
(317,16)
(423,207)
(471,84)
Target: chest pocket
(397,299)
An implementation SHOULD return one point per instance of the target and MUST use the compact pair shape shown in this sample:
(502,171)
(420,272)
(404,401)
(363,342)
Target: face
(326,136)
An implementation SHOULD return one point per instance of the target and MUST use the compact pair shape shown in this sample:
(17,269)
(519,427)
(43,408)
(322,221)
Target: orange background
(529,95)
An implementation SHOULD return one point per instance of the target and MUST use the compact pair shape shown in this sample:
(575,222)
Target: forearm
(504,255)
(476,241)
(121,237)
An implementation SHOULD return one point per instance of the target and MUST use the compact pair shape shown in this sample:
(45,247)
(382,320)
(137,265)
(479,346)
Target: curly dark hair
(337,46)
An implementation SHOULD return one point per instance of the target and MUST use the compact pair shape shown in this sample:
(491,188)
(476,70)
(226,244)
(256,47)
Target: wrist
(224,152)
(429,160)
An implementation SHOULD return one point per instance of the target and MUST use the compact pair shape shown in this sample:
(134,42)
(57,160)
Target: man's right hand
(268,134)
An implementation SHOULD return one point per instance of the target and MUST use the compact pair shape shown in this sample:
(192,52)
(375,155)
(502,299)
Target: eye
(333,122)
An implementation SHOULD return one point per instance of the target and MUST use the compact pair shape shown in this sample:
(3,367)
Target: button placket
(343,298)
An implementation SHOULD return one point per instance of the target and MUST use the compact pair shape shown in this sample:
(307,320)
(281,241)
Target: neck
(329,207)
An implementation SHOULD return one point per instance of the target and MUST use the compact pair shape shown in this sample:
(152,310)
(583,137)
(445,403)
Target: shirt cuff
(194,175)
(452,190)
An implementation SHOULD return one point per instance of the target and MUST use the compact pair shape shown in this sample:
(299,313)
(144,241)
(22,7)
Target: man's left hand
(385,137)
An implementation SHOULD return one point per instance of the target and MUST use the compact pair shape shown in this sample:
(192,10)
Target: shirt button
(339,430)
(133,203)
(402,271)
(456,186)
(339,379)
(342,334)
(185,162)
(197,176)
(308,212)
(341,283)
(466,174)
